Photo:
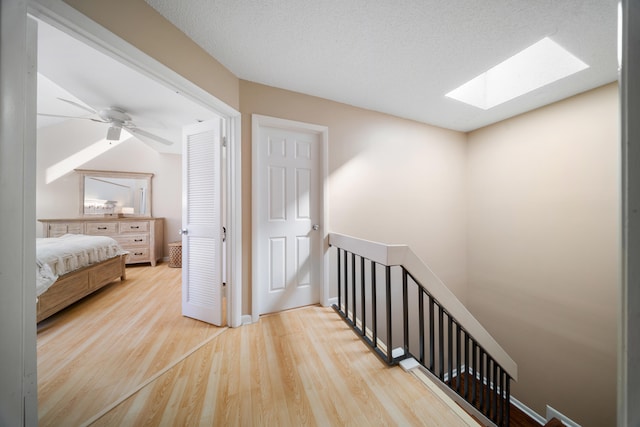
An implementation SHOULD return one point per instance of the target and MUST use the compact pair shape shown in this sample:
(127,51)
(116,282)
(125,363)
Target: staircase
(403,311)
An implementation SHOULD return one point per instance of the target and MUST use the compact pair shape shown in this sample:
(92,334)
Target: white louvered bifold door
(201,222)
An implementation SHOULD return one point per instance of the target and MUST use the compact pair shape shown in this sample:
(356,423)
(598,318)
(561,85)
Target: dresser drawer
(138,255)
(101,228)
(75,228)
(132,240)
(57,230)
(61,228)
(134,226)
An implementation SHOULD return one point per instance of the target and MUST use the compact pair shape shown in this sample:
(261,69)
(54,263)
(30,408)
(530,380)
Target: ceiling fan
(117,118)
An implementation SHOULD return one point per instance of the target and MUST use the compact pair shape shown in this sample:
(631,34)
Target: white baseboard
(530,412)
(246,319)
(553,413)
(332,301)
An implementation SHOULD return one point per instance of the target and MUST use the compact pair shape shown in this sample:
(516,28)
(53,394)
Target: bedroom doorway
(66,19)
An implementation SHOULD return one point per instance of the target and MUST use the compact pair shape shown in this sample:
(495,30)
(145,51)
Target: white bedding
(56,256)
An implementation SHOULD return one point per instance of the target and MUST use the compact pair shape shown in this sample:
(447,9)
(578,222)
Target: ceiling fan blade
(70,117)
(145,134)
(92,111)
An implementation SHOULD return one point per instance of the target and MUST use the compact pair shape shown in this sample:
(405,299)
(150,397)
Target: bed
(72,266)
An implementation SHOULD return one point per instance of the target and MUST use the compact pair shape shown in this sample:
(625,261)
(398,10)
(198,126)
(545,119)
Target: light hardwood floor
(109,343)
(300,367)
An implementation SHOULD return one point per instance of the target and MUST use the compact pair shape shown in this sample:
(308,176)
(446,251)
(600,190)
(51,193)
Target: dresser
(141,237)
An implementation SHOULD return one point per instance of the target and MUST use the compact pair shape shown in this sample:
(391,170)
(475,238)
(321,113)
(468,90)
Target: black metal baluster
(353,288)
(388,284)
(432,349)
(486,387)
(487,374)
(374,303)
(405,304)
(474,358)
(501,397)
(421,324)
(473,372)
(363,310)
(507,387)
(346,286)
(466,365)
(481,385)
(494,400)
(339,284)
(450,348)
(441,342)
(458,364)
(487,399)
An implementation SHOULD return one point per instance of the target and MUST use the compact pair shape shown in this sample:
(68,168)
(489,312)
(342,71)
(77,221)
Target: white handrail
(402,255)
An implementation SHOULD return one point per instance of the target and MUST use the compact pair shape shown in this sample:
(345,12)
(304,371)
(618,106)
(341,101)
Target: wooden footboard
(76,285)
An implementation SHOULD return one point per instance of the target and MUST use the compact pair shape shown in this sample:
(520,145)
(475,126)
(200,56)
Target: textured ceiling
(399,57)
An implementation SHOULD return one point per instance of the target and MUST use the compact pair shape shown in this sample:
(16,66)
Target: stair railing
(401,309)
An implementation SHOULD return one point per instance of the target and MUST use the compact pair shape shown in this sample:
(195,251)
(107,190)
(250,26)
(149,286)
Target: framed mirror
(113,193)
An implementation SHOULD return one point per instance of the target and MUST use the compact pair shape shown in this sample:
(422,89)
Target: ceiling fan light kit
(113,133)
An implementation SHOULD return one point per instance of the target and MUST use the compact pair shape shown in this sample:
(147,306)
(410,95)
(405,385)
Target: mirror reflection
(112,193)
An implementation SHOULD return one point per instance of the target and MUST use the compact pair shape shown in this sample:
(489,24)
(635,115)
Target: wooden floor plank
(107,344)
(268,374)
(303,367)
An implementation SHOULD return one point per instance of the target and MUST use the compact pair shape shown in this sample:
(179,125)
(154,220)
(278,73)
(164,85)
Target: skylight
(538,65)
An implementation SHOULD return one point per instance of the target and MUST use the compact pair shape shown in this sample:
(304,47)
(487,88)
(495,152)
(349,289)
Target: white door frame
(256,122)
(18,371)
(68,19)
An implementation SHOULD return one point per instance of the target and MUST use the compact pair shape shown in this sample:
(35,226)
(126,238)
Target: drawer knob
(137,240)
(135,227)
(102,228)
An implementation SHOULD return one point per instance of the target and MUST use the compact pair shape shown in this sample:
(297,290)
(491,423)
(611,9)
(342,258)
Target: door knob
(315,227)
(183,231)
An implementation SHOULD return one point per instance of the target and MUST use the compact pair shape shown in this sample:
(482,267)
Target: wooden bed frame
(74,286)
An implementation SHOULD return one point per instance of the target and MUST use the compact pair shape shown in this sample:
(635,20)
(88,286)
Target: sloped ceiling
(71,70)
(399,57)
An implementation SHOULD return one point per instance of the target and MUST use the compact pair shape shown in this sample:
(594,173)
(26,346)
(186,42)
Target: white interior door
(289,240)
(202,249)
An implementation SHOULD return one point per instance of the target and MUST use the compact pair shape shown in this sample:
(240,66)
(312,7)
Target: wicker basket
(175,254)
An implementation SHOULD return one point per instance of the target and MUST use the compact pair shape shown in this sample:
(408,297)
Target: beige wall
(140,25)
(391,180)
(544,251)
(60,198)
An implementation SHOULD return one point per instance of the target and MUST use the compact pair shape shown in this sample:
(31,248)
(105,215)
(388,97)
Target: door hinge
(224,234)
(224,141)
